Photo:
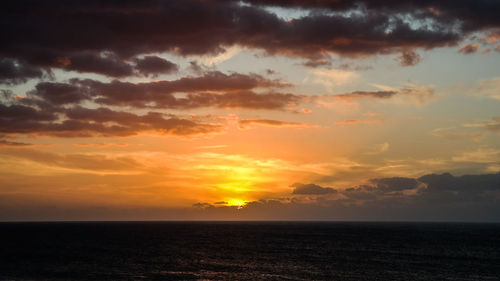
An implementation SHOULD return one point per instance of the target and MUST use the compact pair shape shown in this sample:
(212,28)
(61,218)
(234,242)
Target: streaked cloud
(311,189)
(85,122)
(244,123)
(492,125)
(488,88)
(358,121)
(454,133)
(480,155)
(330,78)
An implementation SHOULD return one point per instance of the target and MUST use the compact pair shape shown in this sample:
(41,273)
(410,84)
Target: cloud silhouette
(432,197)
(85,122)
(104,38)
(395,184)
(367,94)
(415,93)
(15,72)
(154,65)
(212,89)
(437,197)
(311,189)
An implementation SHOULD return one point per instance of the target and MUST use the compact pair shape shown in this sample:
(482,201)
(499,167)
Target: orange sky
(307,122)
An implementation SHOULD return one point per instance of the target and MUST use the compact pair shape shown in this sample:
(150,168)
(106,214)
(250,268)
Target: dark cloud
(311,189)
(56,109)
(135,123)
(469,48)
(433,190)
(84,122)
(105,63)
(10,114)
(241,99)
(213,89)
(467,187)
(267,122)
(434,197)
(203,205)
(58,93)
(16,72)
(395,183)
(221,203)
(321,62)
(102,37)
(409,58)
(154,65)
(429,190)
(470,14)
(417,94)
(368,94)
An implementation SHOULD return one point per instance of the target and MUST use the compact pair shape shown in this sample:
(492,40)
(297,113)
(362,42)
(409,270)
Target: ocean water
(249,251)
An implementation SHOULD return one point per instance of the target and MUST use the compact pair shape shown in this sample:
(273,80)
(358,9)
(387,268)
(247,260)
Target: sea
(249,251)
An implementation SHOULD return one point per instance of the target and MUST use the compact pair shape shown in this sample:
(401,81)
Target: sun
(236,202)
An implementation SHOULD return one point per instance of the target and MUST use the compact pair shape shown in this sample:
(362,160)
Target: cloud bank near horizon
(432,197)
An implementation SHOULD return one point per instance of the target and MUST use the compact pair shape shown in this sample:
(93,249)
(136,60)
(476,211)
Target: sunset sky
(235,110)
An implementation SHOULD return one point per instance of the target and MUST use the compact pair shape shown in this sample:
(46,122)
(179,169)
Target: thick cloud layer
(211,89)
(15,72)
(154,65)
(62,109)
(106,37)
(84,122)
(471,14)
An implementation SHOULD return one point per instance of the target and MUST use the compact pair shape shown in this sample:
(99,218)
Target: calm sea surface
(249,251)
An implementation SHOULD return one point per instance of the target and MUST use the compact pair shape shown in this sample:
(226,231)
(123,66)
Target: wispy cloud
(330,78)
(359,121)
(245,123)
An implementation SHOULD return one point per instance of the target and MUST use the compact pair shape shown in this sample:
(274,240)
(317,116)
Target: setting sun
(236,202)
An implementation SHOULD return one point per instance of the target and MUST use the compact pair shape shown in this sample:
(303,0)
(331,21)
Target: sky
(250,110)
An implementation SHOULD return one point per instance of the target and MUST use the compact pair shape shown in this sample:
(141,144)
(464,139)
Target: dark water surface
(249,251)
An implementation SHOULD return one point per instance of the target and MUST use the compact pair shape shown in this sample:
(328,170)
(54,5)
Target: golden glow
(236,202)
(128,174)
